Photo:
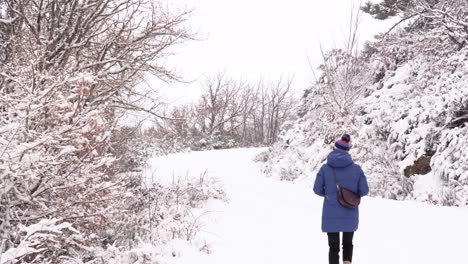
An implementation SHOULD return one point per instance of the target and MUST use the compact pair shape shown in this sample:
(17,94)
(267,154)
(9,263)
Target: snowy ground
(269,222)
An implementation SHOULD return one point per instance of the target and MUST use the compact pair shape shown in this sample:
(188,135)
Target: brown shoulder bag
(346,197)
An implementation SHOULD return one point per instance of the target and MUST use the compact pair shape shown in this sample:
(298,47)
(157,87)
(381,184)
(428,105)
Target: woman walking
(340,170)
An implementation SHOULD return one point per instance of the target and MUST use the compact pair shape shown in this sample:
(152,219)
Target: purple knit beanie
(343,143)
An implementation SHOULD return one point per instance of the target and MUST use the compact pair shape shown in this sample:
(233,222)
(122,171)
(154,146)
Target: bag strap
(334,177)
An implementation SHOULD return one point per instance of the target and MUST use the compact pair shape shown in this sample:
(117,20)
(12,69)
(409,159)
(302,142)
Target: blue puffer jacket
(336,218)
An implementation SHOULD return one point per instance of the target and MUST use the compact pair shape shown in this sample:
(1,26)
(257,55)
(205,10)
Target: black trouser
(334,244)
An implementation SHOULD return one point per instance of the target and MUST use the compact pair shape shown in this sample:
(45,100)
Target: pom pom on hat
(343,143)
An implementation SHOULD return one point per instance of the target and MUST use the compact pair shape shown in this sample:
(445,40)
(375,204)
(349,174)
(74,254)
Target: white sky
(259,39)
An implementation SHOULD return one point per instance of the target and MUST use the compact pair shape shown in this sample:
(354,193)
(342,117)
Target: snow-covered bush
(159,212)
(48,241)
(147,219)
(155,215)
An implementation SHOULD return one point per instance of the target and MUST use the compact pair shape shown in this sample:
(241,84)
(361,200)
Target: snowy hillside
(409,126)
(405,135)
(267,221)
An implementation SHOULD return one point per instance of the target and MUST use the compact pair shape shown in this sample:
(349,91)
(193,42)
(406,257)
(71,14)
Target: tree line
(229,113)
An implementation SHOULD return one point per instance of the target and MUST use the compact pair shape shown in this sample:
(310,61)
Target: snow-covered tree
(68,71)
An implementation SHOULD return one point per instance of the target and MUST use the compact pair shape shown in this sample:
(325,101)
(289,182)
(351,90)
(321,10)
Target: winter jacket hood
(339,159)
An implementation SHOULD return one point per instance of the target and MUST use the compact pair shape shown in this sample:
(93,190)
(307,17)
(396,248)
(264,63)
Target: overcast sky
(260,39)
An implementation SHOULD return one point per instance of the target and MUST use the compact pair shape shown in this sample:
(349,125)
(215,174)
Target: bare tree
(345,75)
(219,103)
(249,101)
(278,107)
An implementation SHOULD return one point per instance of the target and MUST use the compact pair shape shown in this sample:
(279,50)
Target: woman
(336,218)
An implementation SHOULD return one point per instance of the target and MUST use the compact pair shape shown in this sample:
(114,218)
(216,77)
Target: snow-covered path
(272,222)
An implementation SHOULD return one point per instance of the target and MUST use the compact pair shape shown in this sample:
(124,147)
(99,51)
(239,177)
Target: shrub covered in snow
(147,220)
(154,216)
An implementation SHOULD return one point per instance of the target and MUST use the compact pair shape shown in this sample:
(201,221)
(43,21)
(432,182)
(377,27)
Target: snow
(424,184)
(166,168)
(16,252)
(6,21)
(270,221)
(34,232)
